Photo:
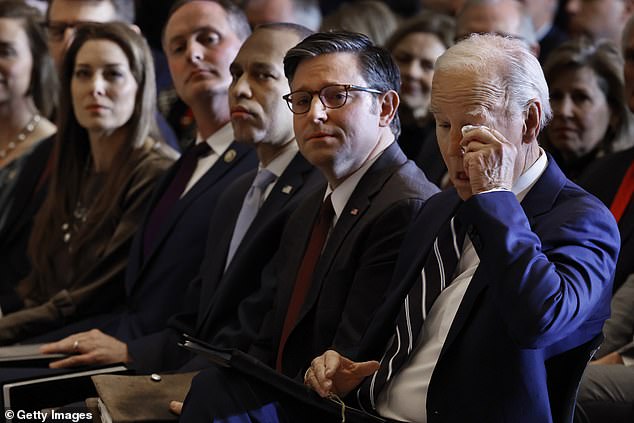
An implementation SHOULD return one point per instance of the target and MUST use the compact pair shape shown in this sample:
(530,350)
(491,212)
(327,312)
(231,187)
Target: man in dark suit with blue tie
(496,326)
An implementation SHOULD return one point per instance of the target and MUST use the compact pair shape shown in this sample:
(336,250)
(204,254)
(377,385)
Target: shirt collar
(527,179)
(279,164)
(341,194)
(220,140)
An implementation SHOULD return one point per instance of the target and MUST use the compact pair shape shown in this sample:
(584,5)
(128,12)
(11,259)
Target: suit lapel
(358,203)
(539,200)
(289,183)
(225,162)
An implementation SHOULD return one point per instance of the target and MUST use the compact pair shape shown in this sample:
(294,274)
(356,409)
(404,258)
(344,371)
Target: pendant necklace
(24,133)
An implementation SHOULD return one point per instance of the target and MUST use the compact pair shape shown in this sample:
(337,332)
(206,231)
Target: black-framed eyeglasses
(331,96)
(57,29)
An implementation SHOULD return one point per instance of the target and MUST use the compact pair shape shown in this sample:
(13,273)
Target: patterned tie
(304,277)
(436,275)
(250,206)
(173,193)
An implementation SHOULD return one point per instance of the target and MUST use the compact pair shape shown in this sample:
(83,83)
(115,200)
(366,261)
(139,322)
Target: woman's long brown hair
(72,150)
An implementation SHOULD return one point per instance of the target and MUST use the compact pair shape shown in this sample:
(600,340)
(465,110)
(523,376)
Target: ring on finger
(76,345)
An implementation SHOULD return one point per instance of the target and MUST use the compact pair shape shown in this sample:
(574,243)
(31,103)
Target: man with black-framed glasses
(331,275)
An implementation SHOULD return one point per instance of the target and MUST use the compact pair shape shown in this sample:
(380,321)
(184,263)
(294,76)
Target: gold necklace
(24,133)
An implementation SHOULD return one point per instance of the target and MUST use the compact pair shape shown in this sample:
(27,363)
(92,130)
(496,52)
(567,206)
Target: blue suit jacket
(533,310)
(156,285)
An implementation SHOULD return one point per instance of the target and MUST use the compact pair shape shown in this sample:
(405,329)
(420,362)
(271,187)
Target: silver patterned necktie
(250,207)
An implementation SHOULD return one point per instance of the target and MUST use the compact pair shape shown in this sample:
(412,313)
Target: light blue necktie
(250,207)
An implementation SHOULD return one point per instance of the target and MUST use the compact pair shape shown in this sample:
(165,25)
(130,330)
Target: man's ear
(532,122)
(388,107)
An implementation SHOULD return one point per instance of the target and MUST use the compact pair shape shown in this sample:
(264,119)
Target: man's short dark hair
(123,8)
(235,16)
(375,63)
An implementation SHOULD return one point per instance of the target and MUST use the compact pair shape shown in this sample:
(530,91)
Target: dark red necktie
(305,274)
(173,193)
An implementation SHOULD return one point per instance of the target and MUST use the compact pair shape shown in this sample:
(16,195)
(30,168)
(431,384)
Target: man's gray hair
(515,68)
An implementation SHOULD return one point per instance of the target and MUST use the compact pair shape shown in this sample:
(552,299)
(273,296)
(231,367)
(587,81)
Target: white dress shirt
(405,396)
(219,141)
(341,194)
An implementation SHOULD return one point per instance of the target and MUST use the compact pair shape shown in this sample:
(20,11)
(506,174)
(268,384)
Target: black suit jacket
(15,234)
(156,285)
(603,179)
(352,276)
(215,294)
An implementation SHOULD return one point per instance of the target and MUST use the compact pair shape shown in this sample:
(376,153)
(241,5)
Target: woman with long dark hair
(105,169)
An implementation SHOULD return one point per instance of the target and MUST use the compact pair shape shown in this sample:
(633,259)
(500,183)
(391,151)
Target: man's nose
(241,87)
(317,110)
(194,52)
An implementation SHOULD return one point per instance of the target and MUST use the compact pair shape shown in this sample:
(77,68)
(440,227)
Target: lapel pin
(354,212)
(287,189)
(230,155)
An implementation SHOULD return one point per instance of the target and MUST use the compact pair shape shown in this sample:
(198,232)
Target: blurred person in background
(415,46)
(507,18)
(590,115)
(372,18)
(27,97)
(63,17)
(548,34)
(598,19)
(301,12)
(105,169)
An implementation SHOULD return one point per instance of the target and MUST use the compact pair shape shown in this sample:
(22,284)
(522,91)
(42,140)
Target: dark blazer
(352,276)
(420,145)
(550,42)
(155,286)
(28,196)
(533,311)
(215,294)
(603,179)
